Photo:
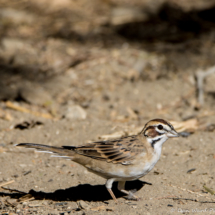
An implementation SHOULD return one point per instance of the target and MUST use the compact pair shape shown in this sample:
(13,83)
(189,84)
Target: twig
(13,190)
(11,204)
(190,191)
(167,197)
(25,110)
(200,76)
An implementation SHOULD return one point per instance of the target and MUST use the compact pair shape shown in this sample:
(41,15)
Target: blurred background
(114,60)
(74,71)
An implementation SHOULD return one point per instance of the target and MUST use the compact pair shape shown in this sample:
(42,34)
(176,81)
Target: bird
(124,159)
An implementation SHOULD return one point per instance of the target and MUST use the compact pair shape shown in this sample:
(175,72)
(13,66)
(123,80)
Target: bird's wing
(116,151)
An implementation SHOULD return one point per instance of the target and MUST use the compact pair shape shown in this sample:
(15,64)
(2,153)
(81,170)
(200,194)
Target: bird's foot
(131,195)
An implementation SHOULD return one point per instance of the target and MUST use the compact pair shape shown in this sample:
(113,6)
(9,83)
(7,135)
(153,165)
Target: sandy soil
(73,71)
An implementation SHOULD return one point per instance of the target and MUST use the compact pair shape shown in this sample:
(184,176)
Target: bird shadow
(84,192)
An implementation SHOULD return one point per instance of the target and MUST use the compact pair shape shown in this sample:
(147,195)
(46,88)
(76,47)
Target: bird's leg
(112,195)
(108,185)
(121,187)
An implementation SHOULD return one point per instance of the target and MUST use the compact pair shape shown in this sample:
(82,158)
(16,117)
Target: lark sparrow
(124,159)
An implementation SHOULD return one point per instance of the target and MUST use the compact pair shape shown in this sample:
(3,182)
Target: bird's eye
(160,127)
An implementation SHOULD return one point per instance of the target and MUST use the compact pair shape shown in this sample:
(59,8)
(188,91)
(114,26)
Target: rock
(84,205)
(35,94)
(12,44)
(17,16)
(124,15)
(75,112)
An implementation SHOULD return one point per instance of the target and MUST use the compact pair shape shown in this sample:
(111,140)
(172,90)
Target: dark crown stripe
(161,121)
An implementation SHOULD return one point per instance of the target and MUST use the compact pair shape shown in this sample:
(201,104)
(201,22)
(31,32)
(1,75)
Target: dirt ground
(72,72)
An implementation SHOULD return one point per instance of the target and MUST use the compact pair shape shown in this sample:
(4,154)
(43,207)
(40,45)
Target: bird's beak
(172,133)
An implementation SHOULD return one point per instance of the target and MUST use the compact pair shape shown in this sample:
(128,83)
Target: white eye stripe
(160,131)
(165,129)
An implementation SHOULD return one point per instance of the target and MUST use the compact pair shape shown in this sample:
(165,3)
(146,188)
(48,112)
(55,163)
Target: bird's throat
(157,142)
(154,141)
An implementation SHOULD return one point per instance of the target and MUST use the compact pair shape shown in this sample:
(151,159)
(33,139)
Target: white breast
(138,172)
(130,172)
(134,172)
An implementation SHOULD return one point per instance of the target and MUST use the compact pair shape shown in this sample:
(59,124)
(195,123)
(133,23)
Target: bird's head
(157,131)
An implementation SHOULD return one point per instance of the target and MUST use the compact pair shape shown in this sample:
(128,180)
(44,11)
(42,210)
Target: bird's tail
(64,151)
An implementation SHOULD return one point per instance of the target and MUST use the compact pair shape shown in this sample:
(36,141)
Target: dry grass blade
(6,183)
(190,191)
(209,190)
(27,197)
(190,125)
(206,114)
(25,110)
(5,115)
